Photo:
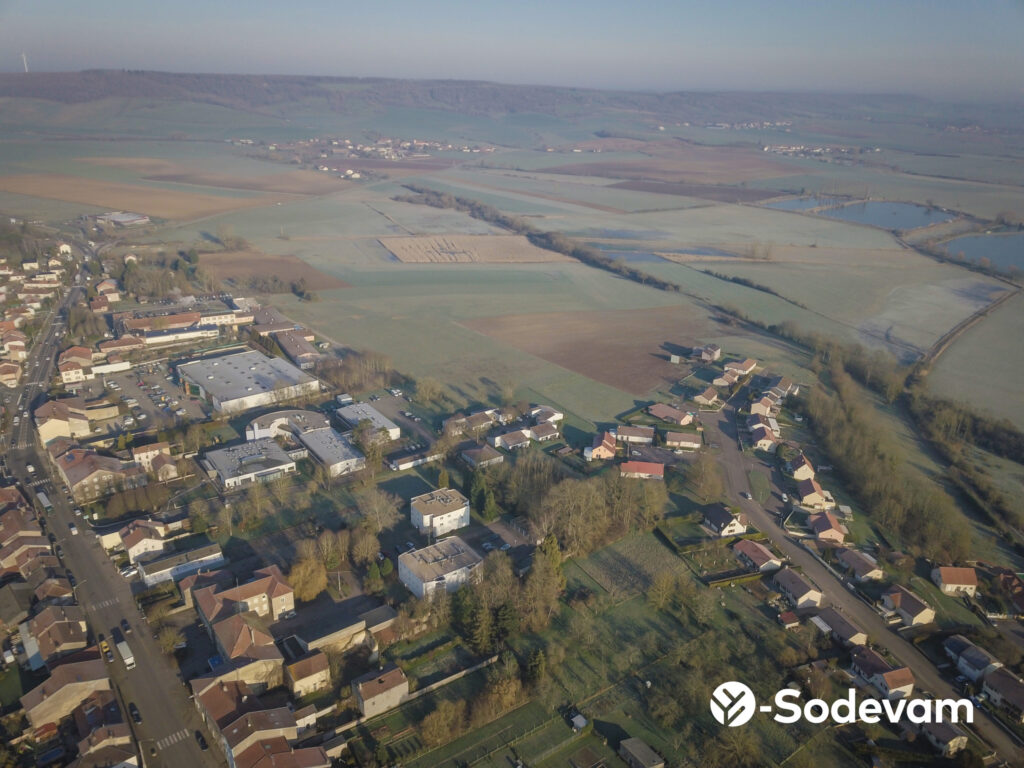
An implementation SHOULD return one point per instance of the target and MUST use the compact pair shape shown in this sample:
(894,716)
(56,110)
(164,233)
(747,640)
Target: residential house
(446,564)
(90,475)
(726,379)
(861,566)
(797,590)
(722,522)
(684,441)
(307,675)
(810,494)
(947,738)
(10,374)
(511,441)
(57,630)
(67,686)
(912,610)
(763,407)
(742,367)
(439,512)
(544,431)
(891,683)
(267,593)
(826,528)
(670,414)
(841,629)
(276,752)
(762,439)
(143,455)
(480,456)
(801,468)
(756,556)
(61,418)
(545,414)
(637,754)
(972,661)
(642,470)
(956,581)
(141,540)
(603,447)
(1005,691)
(635,435)
(709,353)
(708,397)
(379,691)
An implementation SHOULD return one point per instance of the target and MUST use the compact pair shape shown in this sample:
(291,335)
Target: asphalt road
(722,429)
(169,719)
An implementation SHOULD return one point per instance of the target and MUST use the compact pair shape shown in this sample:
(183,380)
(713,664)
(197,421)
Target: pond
(891,216)
(1004,251)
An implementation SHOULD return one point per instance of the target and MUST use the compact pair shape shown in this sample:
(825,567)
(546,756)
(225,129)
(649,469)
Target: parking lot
(150,396)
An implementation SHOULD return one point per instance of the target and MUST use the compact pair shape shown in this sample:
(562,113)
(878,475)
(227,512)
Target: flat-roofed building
(257,461)
(439,512)
(447,564)
(244,380)
(334,451)
(174,566)
(359,412)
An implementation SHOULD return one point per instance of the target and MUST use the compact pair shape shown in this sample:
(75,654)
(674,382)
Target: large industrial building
(331,449)
(244,380)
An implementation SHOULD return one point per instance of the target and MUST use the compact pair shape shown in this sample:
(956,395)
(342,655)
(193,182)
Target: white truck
(126,654)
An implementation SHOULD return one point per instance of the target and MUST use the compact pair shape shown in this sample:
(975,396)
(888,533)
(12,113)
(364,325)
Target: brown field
(717,192)
(290,182)
(241,265)
(461,249)
(621,348)
(158,203)
(679,162)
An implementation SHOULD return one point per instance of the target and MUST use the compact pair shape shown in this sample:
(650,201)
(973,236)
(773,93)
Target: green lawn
(10,686)
(760,486)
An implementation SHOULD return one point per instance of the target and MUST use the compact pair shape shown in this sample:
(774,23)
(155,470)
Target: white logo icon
(733,704)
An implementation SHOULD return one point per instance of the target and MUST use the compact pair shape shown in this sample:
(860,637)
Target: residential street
(169,719)
(722,429)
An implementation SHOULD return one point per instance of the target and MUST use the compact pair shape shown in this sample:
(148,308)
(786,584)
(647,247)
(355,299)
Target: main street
(721,429)
(169,719)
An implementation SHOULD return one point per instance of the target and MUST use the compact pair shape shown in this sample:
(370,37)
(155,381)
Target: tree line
(550,241)
(745,282)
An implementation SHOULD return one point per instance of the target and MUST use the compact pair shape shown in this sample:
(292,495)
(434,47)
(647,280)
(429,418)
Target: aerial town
(203,522)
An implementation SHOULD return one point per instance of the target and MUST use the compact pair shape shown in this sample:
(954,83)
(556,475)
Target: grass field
(240,266)
(454,249)
(983,367)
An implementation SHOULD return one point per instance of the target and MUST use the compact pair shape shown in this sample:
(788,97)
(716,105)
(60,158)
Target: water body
(899,216)
(802,203)
(1002,251)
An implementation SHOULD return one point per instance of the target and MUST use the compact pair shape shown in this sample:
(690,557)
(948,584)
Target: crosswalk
(171,740)
(106,603)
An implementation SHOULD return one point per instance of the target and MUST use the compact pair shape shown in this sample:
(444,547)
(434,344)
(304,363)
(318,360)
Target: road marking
(174,738)
(108,602)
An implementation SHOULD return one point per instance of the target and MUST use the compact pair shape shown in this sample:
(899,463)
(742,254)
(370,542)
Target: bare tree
(308,578)
(378,508)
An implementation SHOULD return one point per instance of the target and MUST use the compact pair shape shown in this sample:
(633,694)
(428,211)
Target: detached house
(742,367)
(708,397)
(826,528)
(683,441)
(756,556)
(642,470)
(603,447)
(841,629)
(810,494)
(722,522)
(378,692)
(861,566)
(891,683)
(954,581)
(912,610)
(797,589)
(635,435)
(1006,692)
(801,468)
(670,414)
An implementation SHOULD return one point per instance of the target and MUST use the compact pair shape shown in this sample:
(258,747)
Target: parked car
(126,627)
(201,741)
(134,712)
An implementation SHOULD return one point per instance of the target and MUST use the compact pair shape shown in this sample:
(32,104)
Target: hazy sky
(940,47)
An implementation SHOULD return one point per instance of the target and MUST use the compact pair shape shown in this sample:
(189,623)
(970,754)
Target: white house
(447,564)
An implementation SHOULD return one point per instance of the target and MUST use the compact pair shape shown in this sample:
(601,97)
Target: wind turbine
(24,61)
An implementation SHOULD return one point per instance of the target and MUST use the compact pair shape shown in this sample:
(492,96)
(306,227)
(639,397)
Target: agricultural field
(237,268)
(451,249)
(628,567)
(983,366)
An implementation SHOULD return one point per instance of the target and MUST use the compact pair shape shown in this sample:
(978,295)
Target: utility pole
(24,61)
